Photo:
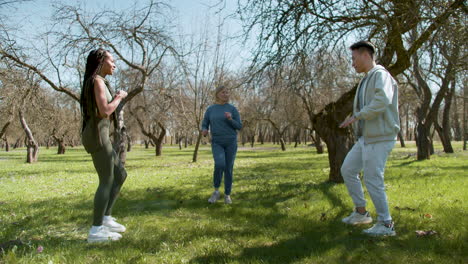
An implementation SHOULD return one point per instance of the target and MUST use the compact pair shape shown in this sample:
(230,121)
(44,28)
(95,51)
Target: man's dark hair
(364,46)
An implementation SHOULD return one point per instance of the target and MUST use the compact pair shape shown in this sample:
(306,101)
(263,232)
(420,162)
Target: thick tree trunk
(60,144)
(197,145)
(338,147)
(61,147)
(31,144)
(158,148)
(339,141)
(159,140)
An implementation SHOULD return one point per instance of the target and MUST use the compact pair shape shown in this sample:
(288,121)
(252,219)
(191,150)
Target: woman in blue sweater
(223,120)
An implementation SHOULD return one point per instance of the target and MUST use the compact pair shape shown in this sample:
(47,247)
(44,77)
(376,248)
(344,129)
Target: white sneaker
(214,197)
(356,218)
(112,225)
(380,229)
(102,234)
(227,199)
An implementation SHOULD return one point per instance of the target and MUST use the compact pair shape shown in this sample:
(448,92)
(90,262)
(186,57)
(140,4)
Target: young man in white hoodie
(375,122)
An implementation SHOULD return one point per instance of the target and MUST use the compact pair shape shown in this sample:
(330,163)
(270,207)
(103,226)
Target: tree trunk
(60,144)
(339,141)
(197,145)
(252,140)
(283,144)
(423,141)
(465,113)
(261,136)
(243,139)
(17,143)
(402,141)
(120,135)
(407,134)
(317,142)
(4,128)
(297,138)
(7,144)
(159,140)
(444,130)
(48,143)
(31,144)
(158,148)
(444,138)
(129,143)
(61,147)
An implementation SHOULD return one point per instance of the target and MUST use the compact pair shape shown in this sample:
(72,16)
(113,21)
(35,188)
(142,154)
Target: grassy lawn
(283,209)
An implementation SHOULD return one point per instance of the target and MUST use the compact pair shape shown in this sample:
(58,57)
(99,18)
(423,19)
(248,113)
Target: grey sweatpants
(370,158)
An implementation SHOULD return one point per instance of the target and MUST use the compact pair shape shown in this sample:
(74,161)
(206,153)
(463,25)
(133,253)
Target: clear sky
(31,17)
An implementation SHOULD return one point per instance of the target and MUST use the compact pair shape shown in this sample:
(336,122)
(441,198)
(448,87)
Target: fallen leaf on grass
(428,216)
(422,233)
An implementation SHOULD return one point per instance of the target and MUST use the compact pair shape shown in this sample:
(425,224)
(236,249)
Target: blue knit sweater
(219,125)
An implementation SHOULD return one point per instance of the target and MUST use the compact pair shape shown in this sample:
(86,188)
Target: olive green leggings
(112,175)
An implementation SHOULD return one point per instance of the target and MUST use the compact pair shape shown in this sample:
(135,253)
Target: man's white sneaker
(380,229)
(356,218)
(112,225)
(214,197)
(102,234)
(227,199)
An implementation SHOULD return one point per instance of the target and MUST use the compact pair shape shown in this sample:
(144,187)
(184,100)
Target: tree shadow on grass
(287,237)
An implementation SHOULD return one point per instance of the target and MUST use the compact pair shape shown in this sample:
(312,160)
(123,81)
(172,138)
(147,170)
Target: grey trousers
(371,159)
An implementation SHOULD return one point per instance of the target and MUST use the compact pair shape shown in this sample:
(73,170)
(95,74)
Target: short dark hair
(364,46)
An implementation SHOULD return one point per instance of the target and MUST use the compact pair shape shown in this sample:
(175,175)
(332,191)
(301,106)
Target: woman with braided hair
(97,109)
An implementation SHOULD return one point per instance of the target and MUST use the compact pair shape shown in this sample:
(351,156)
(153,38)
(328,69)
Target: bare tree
(428,109)
(290,28)
(137,38)
(153,108)
(203,69)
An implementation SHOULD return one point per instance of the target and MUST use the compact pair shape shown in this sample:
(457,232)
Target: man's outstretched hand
(348,122)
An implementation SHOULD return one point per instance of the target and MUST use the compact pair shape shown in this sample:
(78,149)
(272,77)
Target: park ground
(283,211)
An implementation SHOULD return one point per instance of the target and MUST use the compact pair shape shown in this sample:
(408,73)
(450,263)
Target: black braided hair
(87,99)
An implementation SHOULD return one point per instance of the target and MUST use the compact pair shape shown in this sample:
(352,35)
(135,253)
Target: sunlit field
(283,211)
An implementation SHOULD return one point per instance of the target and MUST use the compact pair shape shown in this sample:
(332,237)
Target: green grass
(284,211)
